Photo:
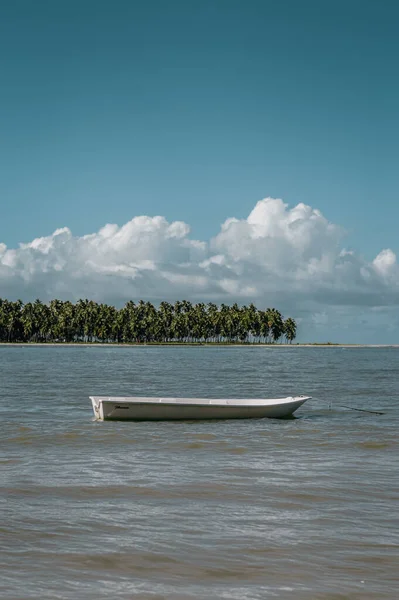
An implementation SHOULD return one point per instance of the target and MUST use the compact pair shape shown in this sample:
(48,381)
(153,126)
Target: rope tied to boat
(372,412)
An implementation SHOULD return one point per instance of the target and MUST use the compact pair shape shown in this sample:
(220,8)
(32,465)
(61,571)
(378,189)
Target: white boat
(160,409)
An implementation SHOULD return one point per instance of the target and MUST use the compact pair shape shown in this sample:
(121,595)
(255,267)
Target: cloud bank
(293,258)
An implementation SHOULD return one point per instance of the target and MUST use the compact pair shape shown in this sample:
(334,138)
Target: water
(304,508)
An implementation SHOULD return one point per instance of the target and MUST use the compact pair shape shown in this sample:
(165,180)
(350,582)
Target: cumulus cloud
(385,264)
(293,258)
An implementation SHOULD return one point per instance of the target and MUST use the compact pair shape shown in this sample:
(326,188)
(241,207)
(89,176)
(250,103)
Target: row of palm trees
(88,321)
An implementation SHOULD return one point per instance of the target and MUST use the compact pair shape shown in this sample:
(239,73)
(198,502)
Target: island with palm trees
(183,322)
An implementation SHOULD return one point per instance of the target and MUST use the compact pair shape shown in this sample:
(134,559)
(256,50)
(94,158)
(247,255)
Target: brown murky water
(306,508)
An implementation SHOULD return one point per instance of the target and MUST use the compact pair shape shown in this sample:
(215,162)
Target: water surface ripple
(305,508)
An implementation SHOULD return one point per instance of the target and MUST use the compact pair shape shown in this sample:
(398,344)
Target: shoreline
(191,344)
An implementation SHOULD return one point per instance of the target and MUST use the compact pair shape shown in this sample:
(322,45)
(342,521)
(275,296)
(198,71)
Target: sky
(218,150)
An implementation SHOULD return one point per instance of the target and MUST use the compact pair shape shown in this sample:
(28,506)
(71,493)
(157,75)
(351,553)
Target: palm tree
(28,321)
(290,329)
(179,326)
(165,318)
(214,321)
(11,323)
(200,326)
(275,324)
(143,322)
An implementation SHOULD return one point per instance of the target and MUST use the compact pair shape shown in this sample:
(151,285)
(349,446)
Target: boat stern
(97,408)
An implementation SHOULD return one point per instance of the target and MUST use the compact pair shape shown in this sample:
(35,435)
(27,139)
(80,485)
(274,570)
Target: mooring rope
(372,412)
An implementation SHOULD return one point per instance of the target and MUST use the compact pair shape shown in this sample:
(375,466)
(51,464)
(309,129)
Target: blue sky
(197,110)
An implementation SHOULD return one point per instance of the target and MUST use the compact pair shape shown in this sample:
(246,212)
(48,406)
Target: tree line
(142,322)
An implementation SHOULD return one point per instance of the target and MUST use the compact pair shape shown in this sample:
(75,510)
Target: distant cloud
(292,258)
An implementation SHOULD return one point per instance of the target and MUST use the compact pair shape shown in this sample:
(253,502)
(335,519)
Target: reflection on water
(303,508)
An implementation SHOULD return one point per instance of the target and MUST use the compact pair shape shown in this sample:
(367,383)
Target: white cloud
(292,258)
(385,263)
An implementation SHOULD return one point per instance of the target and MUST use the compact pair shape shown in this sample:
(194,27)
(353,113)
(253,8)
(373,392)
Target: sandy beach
(189,344)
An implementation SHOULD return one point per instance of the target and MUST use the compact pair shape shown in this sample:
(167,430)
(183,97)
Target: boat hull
(173,409)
